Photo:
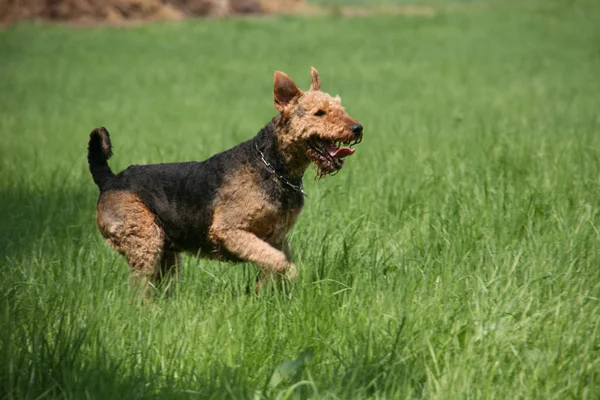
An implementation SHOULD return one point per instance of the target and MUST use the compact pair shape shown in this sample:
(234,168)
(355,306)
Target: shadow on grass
(55,316)
(56,359)
(45,220)
(54,310)
(61,362)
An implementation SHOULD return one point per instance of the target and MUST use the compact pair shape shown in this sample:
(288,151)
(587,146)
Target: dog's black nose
(356,129)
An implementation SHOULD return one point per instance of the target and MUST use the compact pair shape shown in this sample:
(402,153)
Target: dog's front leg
(249,247)
(287,250)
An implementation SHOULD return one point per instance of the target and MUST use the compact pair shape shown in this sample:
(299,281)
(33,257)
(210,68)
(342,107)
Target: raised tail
(99,151)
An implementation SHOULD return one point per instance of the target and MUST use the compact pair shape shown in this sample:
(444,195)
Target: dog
(237,205)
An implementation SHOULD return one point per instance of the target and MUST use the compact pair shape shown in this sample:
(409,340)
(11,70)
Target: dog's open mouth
(328,156)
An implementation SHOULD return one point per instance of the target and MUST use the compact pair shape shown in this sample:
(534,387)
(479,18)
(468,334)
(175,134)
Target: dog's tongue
(341,152)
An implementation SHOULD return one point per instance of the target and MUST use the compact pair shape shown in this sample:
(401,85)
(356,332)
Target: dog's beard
(327,156)
(323,166)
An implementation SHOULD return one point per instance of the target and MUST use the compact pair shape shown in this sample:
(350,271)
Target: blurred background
(120,11)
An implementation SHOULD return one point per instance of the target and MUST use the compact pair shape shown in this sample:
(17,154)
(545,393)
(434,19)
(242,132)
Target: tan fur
(247,224)
(316,79)
(284,90)
(130,228)
(250,227)
(298,110)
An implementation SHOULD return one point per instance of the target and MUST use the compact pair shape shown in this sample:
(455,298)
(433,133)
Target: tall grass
(455,256)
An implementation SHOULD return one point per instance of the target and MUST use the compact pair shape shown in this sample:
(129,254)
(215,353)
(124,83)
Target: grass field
(455,256)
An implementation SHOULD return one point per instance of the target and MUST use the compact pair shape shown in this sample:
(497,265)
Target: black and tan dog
(237,205)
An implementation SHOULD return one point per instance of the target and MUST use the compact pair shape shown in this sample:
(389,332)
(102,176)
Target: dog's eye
(320,113)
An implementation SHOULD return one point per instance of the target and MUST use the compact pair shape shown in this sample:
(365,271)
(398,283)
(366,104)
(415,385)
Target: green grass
(437,3)
(455,256)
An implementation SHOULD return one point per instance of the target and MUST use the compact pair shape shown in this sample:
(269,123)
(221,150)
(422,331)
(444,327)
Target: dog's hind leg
(169,271)
(130,228)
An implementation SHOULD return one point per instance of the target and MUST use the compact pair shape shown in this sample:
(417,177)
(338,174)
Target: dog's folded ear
(284,90)
(316,80)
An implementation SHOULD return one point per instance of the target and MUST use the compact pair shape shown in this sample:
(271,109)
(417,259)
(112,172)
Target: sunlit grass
(455,256)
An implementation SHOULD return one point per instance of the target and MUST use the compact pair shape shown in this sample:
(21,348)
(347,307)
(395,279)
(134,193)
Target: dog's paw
(291,272)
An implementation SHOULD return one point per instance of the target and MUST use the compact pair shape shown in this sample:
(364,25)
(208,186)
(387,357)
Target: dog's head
(315,124)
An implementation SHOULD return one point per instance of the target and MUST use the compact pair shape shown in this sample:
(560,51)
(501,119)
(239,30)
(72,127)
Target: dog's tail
(99,151)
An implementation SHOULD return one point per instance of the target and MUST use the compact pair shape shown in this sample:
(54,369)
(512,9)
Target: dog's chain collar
(298,188)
